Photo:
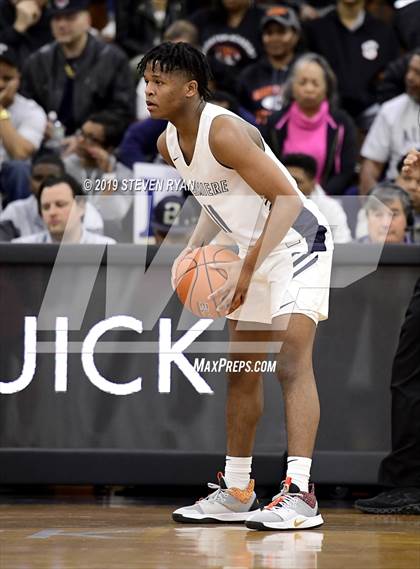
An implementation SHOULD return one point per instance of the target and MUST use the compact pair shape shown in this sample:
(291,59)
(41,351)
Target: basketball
(195,280)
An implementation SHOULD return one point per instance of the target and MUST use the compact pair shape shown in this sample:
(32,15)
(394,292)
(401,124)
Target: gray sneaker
(224,505)
(291,509)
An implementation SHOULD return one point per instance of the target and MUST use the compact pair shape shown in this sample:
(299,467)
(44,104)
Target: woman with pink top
(311,123)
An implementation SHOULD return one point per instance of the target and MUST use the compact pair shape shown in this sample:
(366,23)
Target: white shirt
(227,199)
(25,217)
(393,133)
(335,214)
(87,238)
(29,119)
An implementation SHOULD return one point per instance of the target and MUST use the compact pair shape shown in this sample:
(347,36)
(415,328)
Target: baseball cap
(58,7)
(283,15)
(174,213)
(8,55)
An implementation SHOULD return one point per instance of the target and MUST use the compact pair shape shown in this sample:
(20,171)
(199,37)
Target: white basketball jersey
(229,201)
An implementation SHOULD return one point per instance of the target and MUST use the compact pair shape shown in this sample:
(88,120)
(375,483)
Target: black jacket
(341,148)
(24,44)
(137,29)
(103,80)
(260,87)
(357,57)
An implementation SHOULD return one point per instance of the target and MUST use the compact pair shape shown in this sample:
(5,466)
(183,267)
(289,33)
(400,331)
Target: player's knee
(244,382)
(290,366)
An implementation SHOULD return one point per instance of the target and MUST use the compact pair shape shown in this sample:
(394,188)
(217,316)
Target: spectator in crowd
(140,23)
(94,161)
(392,83)
(61,202)
(22,126)
(230,37)
(303,169)
(24,26)
(311,123)
(409,180)
(389,215)
(399,472)
(394,132)
(24,214)
(176,216)
(78,74)
(140,139)
(358,47)
(260,85)
(180,30)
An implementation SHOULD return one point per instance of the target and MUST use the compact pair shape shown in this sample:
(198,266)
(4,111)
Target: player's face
(387,223)
(68,28)
(305,184)
(40,172)
(278,40)
(412,78)
(166,93)
(309,88)
(60,211)
(411,184)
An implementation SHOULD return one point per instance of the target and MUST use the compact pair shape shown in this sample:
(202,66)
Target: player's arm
(233,145)
(163,149)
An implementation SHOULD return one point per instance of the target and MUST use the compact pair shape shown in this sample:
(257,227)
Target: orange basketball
(195,279)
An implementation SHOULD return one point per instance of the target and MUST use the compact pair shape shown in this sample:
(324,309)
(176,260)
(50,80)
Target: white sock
(299,469)
(237,471)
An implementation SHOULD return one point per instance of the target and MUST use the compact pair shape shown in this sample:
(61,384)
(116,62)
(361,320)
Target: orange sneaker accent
(285,490)
(243,495)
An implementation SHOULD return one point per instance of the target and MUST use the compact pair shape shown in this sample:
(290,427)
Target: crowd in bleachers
(334,87)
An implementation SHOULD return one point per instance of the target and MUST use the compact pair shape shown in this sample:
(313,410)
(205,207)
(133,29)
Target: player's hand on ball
(174,264)
(232,294)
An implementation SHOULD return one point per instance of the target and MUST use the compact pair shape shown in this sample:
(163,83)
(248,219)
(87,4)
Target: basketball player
(277,291)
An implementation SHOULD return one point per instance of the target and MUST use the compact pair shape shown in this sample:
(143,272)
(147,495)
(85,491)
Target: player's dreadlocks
(180,57)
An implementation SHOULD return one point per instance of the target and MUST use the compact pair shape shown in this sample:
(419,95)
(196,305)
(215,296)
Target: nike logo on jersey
(176,158)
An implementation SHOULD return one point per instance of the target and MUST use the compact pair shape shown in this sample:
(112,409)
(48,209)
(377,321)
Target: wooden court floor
(134,536)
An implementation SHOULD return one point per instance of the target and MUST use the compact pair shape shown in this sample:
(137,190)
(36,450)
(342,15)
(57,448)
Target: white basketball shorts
(289,281)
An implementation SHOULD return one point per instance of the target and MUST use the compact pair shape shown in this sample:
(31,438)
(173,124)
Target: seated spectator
(24,26)
(78,74)
(260,85)
(140,139)
(140,23)
(22,126)
(24,214)
(358,47)
(181,30)
(394,132)
(176,216)
(311,123)
(410,182)
(389,215)
(94,160)
(61,202)
(303,169)
(393,79)
(230,37)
